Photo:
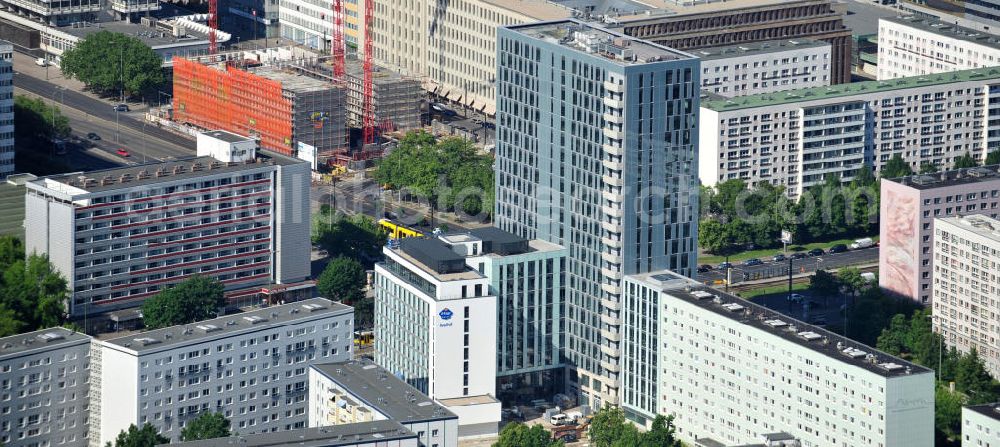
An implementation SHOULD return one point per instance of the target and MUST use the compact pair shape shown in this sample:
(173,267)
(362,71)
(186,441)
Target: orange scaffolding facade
(233,100)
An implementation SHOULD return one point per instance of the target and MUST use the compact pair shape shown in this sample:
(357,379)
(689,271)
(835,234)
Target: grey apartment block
(596,138)
(6,109)
(44,388)
(252,367)
(118,236)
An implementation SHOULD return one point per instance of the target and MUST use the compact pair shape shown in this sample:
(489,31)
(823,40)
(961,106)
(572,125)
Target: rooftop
(942,28)
(268,317)
(330,436)
(954,177)
(751,314)
(153,36)
(989,410)
(849,90)
(771,46)
(434,257)
(292,81)
(654,9)
(587,38)
(22,344)
(979,224)
(12,204)
(862,18)
(227,136)
(537,9)
(377,388)
(152,173)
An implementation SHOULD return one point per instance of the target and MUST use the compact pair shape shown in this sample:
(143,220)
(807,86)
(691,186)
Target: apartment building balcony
(614,103)
(612,196)
(613,181)
(608,273)
(610,366)
(610,257)
(610,288)
(612,149)
(613,165)
(612,133)
(611,304)
(614,87)
(611,335)
(613,243)
(610,351)
(612,118)
(612,227)
(612,211)
(610,320)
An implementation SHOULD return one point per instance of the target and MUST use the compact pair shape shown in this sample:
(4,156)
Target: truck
(862,243)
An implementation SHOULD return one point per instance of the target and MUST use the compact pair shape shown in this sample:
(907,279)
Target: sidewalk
(25,66)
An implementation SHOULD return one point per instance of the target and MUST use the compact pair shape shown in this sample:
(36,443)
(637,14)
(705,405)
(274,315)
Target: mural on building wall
(899,243)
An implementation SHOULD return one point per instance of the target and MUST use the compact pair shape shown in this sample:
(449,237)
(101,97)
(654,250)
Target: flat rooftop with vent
(366,434)
(954,177)
(588,38)
(222,327)
(39,341)
(936,26)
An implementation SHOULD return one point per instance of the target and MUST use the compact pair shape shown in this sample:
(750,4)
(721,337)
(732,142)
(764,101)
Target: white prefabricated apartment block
(356,392)
(44,388)
(764,67)
(252,367)
(798,138)
(914,46)
(436,328)
(981,425)
(966,291)
(730,371)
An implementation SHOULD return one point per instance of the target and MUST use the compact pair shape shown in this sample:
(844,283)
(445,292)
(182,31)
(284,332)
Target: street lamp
(59,89)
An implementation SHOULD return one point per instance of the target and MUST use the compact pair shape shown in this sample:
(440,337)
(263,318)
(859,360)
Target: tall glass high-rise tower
(596,138)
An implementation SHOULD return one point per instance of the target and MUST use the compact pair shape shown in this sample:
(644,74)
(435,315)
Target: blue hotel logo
(446,314)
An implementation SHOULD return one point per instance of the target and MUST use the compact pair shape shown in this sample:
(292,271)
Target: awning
(472,104)
(446,94)
(491,109)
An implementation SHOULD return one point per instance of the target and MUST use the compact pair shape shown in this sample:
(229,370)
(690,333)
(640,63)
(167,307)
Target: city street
(804,265)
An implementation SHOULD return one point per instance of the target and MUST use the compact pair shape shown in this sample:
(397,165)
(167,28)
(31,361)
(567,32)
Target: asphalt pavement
(810,264)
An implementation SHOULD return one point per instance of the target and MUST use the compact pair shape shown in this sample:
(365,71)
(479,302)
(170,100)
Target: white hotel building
(252,367)
(797,138)
(913,46)
(966,292)
(731,371)
(43,388)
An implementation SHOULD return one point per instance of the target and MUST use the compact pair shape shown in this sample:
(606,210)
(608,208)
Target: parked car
(799,255)
(778,257)
(93,136)
(752,261)
(817,252)
(121,108)
(123,152)
(796,298)
(839,248)
(725,265)
(41,62)
(704,268)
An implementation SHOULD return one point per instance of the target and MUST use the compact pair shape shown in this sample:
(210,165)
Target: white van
(41,62)
(559,419)
(862,243)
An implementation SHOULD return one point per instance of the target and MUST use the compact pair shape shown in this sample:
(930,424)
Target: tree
(896,167)
(964,161)
(661,433)
(992,158)
(823,283)
(343,279)
(33,118)
(928,168)
(139,437)
(207,425)
(196,298)
(35,292)
(947,413)
(850,278)
(358,237)
(107,61)
(608,426)
(517,434)
(972,379)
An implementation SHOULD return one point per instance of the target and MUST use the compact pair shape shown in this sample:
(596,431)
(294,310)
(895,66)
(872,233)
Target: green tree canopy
(146,436)
(207,425)
(343,279)
(608,426)
(34,292)
(358,237)
(104,59)
(964,161)
(928,168)
(823,283)
(850,278)
(196,298)
(33,117)
(517,434)
(896,167)
(992,158)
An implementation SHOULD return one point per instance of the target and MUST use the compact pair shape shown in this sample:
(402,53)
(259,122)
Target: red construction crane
(213,24)
(337,41)
(368,101)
